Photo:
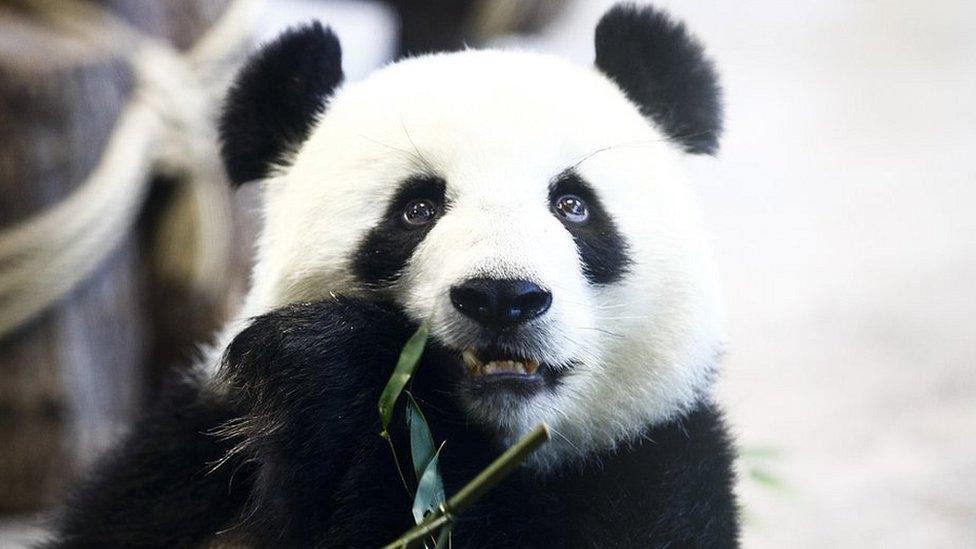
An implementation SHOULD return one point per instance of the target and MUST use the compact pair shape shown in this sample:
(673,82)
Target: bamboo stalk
(475,489)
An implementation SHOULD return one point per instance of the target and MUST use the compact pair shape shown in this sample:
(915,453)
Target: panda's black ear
(276,99)
(664,70)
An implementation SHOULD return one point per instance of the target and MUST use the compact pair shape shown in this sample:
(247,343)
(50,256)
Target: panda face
(531,210)
(505,176)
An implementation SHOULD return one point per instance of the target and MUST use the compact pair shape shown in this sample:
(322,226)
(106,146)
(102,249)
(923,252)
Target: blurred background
(842,208)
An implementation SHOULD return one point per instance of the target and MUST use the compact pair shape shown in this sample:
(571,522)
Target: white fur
(498,126)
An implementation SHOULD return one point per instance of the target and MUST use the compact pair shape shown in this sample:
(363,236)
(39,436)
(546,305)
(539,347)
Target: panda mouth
(478,365)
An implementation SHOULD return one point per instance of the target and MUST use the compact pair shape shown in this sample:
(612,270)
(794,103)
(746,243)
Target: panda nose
(500,303)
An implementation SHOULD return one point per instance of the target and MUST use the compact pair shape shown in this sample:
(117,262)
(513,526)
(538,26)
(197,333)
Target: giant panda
(537,215)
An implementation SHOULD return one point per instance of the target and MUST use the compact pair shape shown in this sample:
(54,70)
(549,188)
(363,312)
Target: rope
(167,126)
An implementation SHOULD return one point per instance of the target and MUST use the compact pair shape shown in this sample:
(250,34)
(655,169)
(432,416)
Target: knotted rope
(167,127)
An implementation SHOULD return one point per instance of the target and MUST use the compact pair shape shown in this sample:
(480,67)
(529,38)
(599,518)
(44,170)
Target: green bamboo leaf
(471,492)
(765,478)
(409,357)
(421,441)
(430,490)
(760,452)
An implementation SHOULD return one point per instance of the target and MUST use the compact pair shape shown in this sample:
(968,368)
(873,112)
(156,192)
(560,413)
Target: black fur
(313,374)
(386,249)
(158,488)
(602,248)
(663,69)
(308,378)
(275,100)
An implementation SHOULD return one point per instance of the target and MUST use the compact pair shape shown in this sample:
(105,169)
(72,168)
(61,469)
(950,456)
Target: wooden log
(59,100)
(74,378)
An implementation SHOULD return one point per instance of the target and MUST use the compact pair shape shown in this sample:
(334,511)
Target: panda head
(534,211)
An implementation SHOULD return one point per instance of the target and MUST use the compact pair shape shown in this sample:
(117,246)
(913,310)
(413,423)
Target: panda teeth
(504,367)
(477,368)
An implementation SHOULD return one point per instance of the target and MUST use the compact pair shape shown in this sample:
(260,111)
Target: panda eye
(571,208)
(419,212)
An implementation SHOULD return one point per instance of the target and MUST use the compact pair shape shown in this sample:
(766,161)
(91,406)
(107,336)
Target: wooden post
(74,378)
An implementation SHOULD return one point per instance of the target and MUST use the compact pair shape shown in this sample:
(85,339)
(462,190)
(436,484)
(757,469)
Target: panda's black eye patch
(602,248)
(410,214)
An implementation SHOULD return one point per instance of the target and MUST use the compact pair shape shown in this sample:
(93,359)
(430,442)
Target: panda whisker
(423,160)
(565,439)
(601,330)
(382,144)
(584,304)
(595,152)
(562,290)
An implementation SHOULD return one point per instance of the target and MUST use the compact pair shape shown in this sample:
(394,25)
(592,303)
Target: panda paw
(339,350)
(308,377)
